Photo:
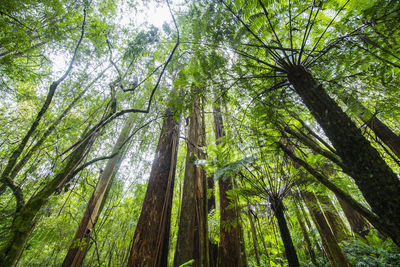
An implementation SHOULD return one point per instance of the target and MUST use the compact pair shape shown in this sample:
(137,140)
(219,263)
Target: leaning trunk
(290,251)
(381,130)
(229,244)
(78,249)
(378,183)
(254,236)
(357,222)
(307,240)
(377,222)
(335,252)
(151,240)
(337,225)
(25,219)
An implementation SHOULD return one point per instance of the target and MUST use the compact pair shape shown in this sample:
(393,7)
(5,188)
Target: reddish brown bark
(335,252)
(229,244)
(80,244)
(151,239)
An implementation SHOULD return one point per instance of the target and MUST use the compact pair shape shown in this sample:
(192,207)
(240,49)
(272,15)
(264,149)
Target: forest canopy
(200,133)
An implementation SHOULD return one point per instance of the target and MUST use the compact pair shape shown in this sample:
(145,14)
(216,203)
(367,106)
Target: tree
(151,240)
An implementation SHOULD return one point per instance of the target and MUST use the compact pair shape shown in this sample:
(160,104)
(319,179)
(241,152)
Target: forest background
(199,133)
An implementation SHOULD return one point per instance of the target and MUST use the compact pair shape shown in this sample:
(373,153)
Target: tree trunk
(290,251)
(229,244)
(213,248)
(379,185)
(357,222)
(381,130)
(304,231)
(376,221)
(254,236)
(151,239)
(25,220)
(192,240)
(335,252)
(78,249)
(337,225)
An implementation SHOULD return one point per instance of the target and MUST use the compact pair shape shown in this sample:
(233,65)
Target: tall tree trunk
(290,251)
(304,231)
(337,225)
(357,222)
(335,252)
(254,236)
(376,221)
(202,194)
(192,240)
(78,249)
(377,182)
(25,219)
(229,244)
(213,247)
(381,130)
(151,239)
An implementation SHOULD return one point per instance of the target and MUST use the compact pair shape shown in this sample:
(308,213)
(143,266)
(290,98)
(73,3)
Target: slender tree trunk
(25,220)
(304,231)
(335,252)
(213,248)
(78,249)
(151,240)
(191,242)
(337,225)
(290,251)
(381,130)
(254,236)
(377,222)
(357,222)
(379,185)
(229,244)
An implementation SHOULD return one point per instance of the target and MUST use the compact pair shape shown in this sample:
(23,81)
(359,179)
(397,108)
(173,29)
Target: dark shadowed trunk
(290,251)
(335,252)
(229,244)
(379,185)
(78,249)
(151,240)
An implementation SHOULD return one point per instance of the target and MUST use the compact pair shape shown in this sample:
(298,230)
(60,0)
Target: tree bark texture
(78,249)
(151,239)
(254,237)
(290,251)
(335,252)
(377,222)
(377,182)
(229,244)
(192,240)
(381,130)
(357,222)
(337,225)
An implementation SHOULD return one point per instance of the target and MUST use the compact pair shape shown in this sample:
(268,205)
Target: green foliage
(371,251)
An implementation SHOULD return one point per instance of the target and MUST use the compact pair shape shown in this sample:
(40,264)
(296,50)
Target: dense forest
(200,133)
